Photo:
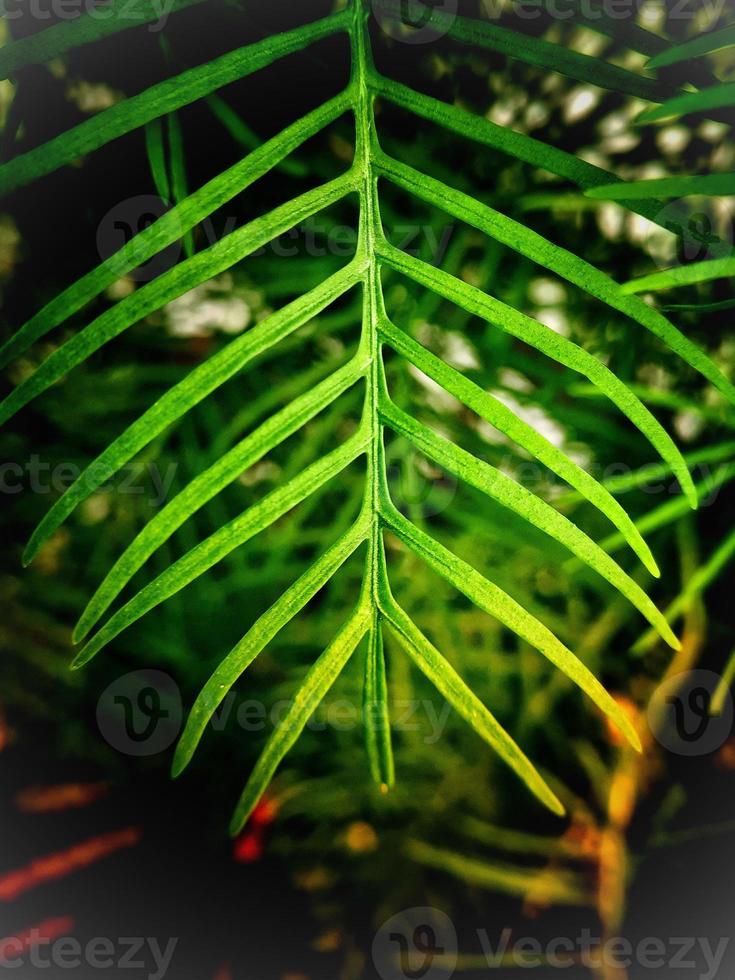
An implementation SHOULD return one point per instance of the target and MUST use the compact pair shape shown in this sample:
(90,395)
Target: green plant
(375,258)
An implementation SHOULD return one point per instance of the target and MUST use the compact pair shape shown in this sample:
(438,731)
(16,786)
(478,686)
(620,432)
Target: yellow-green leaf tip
(79,632)
(628,729)
(651,565)
(555,805)
(237,823)
(180,761)
(81,660)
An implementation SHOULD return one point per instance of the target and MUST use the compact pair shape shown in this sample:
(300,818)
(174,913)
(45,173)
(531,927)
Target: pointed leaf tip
(79,632)
(81,659)
(36,541)
(651,564)
(636,743)
(628,730)
(556,806)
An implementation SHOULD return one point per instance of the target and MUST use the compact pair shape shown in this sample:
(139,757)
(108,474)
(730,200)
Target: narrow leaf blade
(315,686)
(293,600)
(216,547)
(498,415)
(527,505)
(707,185)
(190,391)
(698,47)
(559,260)
(161,99)
(715,97)
(548,342)
(156,152)
(531,50)
(682,275)
(209,483)
(376,713)
(467,705)
(120,15)
(169,228)
(192,272)
(506,610)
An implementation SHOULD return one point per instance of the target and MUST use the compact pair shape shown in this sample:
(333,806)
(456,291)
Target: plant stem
(375,581)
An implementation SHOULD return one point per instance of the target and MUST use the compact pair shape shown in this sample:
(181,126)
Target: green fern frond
(376,607)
